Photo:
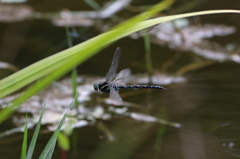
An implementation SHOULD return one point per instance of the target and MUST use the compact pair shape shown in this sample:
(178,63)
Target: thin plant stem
(147,45)
(74,71)
(93,4)
(24,144)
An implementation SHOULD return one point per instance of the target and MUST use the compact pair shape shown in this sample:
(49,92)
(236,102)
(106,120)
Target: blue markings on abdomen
(140,87)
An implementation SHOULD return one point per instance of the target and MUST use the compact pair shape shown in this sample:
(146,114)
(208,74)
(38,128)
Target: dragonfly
(114,85)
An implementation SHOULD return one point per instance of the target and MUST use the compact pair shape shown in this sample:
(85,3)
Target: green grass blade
(48,150)
(50,153)
(24,144)
(155,21)
(35,135)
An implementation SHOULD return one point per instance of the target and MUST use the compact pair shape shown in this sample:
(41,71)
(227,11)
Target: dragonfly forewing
(113,68)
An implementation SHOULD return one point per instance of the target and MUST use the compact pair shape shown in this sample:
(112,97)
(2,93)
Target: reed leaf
(35,135)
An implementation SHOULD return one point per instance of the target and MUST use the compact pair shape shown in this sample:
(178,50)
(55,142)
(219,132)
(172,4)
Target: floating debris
(13,13)
(8,66)
(68,18)
(148,118)
(187,37)
(194,38)
(157,78)
(13,1)
(180,35)
(88,18)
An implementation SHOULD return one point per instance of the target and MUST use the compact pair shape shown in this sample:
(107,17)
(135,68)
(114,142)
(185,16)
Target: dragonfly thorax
(101,86)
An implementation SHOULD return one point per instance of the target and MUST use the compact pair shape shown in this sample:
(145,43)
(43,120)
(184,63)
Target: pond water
(206,102)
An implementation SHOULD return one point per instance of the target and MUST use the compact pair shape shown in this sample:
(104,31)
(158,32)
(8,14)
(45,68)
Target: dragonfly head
(96,86)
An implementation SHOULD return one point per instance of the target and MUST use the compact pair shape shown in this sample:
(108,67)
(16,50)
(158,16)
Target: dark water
(207,104)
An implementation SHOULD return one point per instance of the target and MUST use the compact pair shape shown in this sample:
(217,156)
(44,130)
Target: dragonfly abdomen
(140,87)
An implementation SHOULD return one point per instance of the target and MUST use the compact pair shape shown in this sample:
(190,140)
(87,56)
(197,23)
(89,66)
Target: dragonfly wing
(122,77)
(114,94)
(113,68)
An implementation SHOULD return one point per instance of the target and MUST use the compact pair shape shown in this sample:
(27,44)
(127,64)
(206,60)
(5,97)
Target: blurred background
(196,59)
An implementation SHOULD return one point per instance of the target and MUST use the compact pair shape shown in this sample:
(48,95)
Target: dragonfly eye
(96,86)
